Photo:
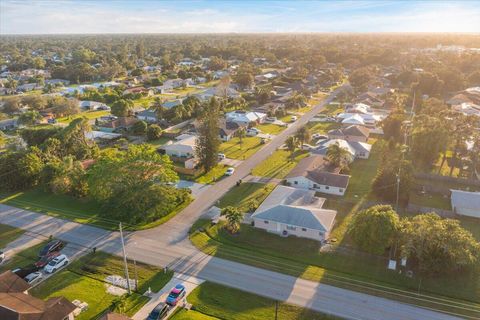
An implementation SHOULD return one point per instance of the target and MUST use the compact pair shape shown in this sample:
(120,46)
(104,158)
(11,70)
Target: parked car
(23,272)
(270,119)
(34,277)
(319,136)
(159,312)
(229,171)
(307,147)
(221,156)
(176,294)
(252,132)
(52,246)
(46,259)
(293,118)
(56,263)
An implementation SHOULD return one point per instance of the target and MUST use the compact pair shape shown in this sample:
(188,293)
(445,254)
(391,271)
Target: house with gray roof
(148,115)
(290,211)
(317,174)
(466,203)
(350,133)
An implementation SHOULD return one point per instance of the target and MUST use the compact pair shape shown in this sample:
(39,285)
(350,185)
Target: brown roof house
(316,173)
(114,316)
(350,133)
(16,304)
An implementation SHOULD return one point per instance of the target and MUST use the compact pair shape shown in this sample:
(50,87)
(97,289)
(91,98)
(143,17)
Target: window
(266,221)
(292,228)
(304,229)
(327,187)
(320,233)
(295,182)
(341,190)
(315,186)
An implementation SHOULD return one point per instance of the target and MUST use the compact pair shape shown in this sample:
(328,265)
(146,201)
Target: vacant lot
(85,280)
(279,164)
(235,150)
(213,301)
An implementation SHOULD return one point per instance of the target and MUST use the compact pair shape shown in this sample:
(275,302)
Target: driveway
(231,162)
(196,188)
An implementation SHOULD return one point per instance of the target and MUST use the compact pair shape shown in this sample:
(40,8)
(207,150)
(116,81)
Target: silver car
(34,278)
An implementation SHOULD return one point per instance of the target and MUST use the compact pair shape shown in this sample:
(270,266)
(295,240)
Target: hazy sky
(118,16)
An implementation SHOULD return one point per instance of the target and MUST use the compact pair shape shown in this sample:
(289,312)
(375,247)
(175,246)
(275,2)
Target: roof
(114,316)
(120,122)
(186,144)
(228,127)
(244,116)
(465,199)
(23,306)
(317,169)
(314,162)
(352,130)
(148,113)
(291,196)
(329,178)
(10,282)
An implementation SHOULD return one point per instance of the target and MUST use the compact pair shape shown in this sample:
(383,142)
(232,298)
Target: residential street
(168,245)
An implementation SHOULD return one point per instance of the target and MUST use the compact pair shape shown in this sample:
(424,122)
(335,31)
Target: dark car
(159,312)
(46,259)
(52,246)
(23,272)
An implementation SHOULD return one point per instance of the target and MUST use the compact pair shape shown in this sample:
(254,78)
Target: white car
(270,119)
(293,118)
(34,277)
(221,156)
(319,136)
(229,171)
(56,263)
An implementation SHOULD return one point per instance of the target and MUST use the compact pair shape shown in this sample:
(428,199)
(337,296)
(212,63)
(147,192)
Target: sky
(143,16)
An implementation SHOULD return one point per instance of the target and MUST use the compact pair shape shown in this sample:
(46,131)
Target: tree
(360,78)
(35,101)
(241,133)
(438,246)
(20,170)
(375,228)
(208,140)
(234,218)
(296,101)
(11,105)
(65,176)
(122,108)
(154,132)
(139,128)
(29,118)
(393,124)
(338,156)
(72,140)
(303,135)
(217,63)
(36,136)
(292,144)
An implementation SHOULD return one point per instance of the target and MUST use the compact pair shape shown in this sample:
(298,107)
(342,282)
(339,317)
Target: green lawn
(355,271)
(84,280)
(213,175)
(269,128)
(234,150)
(433,200)
(332,109)
(86,114)
(322,127)
(214,301)
(23,258)
(78,210)
(159,142)
(279,164)
(243,195)
(8,234)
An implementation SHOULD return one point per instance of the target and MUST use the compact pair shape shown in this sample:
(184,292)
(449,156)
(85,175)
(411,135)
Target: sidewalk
(189,282)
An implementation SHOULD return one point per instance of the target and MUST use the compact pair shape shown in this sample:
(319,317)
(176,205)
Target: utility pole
(136,274)
(276,309)
(125,259)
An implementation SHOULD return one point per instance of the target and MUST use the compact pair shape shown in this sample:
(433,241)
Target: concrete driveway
(196,188)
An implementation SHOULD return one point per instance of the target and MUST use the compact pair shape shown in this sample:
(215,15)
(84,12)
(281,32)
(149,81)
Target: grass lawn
(431,200)
(234,150)
(355,271)
(84,280)
(214,301)
(270,128)
(244,194)
(213,175)
(279,164)
(8,234)
(23,258)
(332,109)
(159,142)
(322,127)
(87,114)
(78,210)
(472,225)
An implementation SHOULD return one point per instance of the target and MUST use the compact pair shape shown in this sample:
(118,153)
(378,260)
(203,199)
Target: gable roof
(17,306)
(328,178)
(465,199)
(352,130)
(10,282)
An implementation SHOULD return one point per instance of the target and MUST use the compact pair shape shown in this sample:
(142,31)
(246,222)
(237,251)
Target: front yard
(213,175)
(245,194)
(87,114)
(214,301)
(233,149)
(270,128)
(279,164)
(322,127)
(85,280)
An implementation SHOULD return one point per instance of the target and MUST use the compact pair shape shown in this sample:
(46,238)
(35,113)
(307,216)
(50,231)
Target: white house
(8,124)
(93,105)
(315,173)
(183,147)
(466,203)
(290,211)
(360,150)
(244,118)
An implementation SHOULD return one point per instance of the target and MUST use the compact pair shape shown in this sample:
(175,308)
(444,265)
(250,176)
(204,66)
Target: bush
(154,132)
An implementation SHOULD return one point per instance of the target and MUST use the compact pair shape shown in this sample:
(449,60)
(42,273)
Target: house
(29,87)
(172,103)
(367,119)
(350,133)
(8,124)
(370,98)
(470,95)
(147,115)
(315,173)
(467,108)
(229,92)
(118,124)
(245,118)
(93,105)
(17,304)
(358,108)
(138,90)
(466,203)
(270,108)
(290,211)
(360,150)
(183,147)
(228,129)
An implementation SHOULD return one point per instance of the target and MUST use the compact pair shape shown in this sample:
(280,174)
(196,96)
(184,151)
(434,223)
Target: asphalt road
(168,245)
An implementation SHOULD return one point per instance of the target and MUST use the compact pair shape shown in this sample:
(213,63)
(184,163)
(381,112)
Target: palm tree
(338,156)
(241,133)
(234,218)
(157,105)
(303,135)
(292,144)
